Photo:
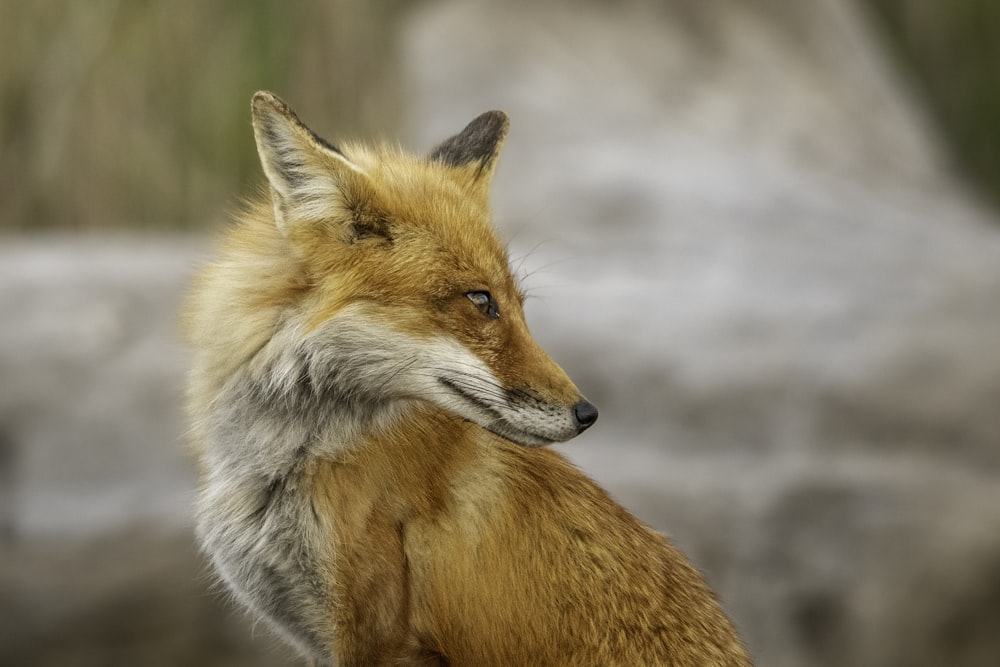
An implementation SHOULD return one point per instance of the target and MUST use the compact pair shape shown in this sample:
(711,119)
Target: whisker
(488,391)
(523,258)
(402,367)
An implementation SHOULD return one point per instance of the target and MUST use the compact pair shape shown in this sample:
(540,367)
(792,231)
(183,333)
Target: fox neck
(270,424)
(280,409)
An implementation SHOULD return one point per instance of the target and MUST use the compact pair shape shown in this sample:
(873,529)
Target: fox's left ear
(308,176)
(474,150)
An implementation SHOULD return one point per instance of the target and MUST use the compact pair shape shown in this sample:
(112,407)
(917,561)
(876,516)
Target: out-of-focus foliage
(952,48)
(137,113)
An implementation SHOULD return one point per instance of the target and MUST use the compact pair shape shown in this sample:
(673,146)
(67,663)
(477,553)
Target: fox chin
(369,412)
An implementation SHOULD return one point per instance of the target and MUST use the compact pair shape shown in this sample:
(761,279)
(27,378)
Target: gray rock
(97,558)
(754,259)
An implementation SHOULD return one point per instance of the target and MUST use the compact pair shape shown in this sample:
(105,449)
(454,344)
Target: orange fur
(500,555)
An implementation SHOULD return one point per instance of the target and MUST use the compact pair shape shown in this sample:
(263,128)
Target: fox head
(406,291)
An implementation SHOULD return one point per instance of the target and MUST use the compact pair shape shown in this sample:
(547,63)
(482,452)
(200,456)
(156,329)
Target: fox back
(368,409)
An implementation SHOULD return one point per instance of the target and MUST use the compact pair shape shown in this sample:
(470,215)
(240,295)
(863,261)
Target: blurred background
(761,235)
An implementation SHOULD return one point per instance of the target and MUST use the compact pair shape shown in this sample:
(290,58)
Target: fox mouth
(496,423)
(506,431)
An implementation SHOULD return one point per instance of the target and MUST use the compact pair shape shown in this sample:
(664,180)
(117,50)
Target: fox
(370,415)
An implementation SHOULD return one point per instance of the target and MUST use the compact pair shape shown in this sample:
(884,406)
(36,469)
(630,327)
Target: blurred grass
(952,50)
(136,114)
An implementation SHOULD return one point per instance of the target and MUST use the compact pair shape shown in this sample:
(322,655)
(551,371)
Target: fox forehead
(427,194)
(435,226)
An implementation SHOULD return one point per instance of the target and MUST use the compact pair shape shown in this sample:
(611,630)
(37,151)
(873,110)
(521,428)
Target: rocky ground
(747,250)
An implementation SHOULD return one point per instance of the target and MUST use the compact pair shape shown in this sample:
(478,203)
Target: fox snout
(523,396)
(520,414)
(534,424)
(537,422)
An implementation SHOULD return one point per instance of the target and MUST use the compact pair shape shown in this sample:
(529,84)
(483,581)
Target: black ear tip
(494,119)
(478,142)
(493,124)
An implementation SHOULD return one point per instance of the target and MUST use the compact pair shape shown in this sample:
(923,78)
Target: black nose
(585,414)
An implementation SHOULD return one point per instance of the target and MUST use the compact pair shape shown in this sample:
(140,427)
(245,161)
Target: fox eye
(485,303)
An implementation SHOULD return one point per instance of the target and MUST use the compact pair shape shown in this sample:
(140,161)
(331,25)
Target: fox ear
(475,149)
(307,174)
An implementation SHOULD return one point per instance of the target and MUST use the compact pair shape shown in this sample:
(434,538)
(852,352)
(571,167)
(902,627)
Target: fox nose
(585,414)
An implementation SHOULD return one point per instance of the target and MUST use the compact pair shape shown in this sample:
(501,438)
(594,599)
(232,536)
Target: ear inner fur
(306,173)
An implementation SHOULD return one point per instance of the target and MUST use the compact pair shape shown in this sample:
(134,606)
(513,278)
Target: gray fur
(255,514)
(294,401)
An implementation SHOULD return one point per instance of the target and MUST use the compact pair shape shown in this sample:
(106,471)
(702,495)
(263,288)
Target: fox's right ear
(474,150)
(307,175)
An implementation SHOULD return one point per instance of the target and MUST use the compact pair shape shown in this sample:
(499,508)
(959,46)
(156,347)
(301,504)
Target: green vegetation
(136,114)
(952,50)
